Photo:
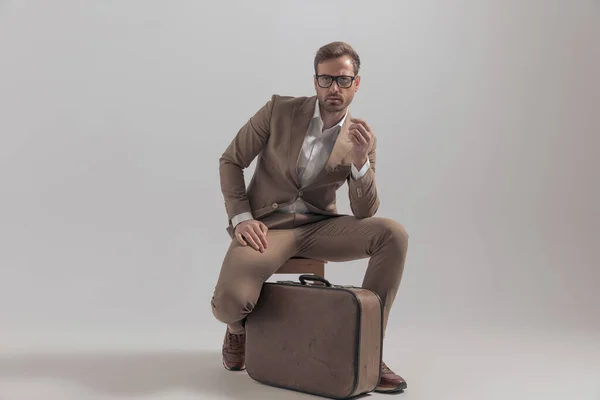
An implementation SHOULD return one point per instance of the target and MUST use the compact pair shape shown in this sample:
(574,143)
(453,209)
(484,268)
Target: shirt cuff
(245,216)
(356,174)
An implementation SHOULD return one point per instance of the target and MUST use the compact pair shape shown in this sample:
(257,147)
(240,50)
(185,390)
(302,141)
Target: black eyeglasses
(343,81)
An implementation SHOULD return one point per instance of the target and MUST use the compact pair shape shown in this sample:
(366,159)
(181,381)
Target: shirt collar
(317,115)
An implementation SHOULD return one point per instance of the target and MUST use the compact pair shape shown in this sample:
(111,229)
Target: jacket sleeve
(364,200)
(243,149)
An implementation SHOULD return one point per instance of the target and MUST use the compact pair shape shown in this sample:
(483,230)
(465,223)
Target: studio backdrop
(113,116)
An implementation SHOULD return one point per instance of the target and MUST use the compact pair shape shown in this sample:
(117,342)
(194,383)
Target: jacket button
(275,205)
(300,193)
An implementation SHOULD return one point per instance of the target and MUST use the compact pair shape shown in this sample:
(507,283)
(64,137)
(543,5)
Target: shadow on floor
(139,373)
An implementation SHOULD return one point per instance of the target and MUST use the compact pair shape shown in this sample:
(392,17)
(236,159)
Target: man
(307,147)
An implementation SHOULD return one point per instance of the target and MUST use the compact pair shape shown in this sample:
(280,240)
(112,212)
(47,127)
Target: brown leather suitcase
(315,337)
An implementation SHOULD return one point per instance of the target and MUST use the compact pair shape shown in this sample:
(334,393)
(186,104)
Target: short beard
(330,108)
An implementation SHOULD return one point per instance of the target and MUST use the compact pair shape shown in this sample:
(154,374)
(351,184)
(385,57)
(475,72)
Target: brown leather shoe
(389,381)
(234,351)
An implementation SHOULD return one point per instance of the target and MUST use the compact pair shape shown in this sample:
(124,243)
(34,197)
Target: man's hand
(254,232)
(361,137)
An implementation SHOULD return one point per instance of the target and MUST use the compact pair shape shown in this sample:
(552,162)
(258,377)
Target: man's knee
(233,304)
(394,232)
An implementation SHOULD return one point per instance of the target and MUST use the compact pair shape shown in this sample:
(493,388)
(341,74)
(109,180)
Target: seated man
(307,148)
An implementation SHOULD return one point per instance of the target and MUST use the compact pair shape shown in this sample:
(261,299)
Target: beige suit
(275,134)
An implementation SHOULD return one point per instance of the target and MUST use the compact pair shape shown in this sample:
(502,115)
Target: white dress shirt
(314,154)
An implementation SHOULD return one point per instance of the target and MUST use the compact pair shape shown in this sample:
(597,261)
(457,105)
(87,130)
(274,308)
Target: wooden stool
(301,265)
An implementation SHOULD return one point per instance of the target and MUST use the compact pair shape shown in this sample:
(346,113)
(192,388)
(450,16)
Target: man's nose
(334,88)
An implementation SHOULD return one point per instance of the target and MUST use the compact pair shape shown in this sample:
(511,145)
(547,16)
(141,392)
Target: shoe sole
(386,389)
(233,368)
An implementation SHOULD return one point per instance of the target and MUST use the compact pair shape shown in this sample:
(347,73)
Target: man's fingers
(250,236)
(253,234)
(240,239)
(354,137)
(261,237)
(263,228)
(363,131)
(356,129)
(362,122)
(256,234)
(358,137)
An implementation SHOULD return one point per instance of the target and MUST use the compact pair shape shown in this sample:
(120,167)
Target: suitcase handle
(304,278)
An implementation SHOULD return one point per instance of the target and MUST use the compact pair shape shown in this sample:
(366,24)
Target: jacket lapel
(339,153)
(341,147)
(300,121)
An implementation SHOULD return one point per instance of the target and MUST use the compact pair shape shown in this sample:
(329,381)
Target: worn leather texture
(320,340)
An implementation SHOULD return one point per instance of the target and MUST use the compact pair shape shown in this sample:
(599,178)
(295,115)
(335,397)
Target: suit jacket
(275,134)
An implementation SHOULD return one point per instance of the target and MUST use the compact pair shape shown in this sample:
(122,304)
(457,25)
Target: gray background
(114,115)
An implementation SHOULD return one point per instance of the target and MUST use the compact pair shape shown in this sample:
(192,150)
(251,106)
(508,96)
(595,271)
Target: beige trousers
(336,239)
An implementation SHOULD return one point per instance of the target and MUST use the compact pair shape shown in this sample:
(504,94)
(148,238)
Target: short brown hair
(335,50)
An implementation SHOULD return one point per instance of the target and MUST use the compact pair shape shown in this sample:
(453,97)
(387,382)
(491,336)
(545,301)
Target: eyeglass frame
(335,78)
